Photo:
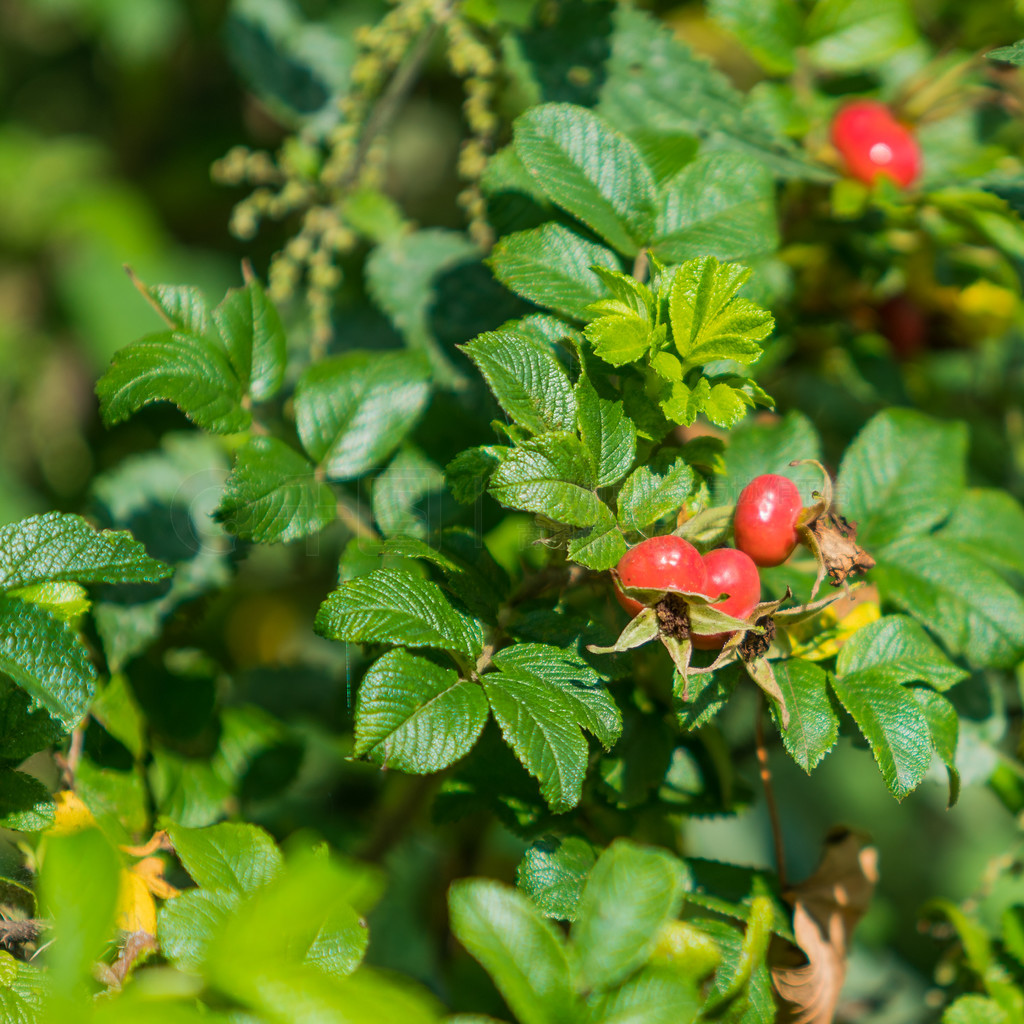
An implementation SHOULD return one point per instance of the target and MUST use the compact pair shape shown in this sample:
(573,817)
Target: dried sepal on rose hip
(831,537)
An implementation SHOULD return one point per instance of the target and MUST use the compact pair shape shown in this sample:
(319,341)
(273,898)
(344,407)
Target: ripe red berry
(873,143)
(764,523)
(734,573)
(658,563)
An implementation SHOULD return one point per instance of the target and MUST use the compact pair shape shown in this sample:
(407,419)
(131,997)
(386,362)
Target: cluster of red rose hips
(764,527)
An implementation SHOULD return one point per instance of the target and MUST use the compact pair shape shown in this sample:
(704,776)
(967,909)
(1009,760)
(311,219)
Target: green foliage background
(390,381)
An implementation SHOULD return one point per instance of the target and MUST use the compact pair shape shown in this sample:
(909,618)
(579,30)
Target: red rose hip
(764,523)
(658,563)
(734,573)
(873,143)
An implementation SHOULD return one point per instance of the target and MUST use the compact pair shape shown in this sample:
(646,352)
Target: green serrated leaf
(1008,54)
(619,340)
(189,371)
(253,335)
(987,523)
(648,495)
(944,724)
(681,404)
(566,669)
(850,35)
(394,606)
(409,496)
(589,169)
(630,893)
(654,995)
(553,872)
(629,296)
(771,31)
(528,381)
(898,649)
(184,306)
(709,321)
(551,475)
(415,716)
(967,605)
(353,410)
(902,475)
(607,432)
(25,803)
(551,266)
(235,858)
(893,724)
(45,657)
(469,473)
(813,724)
(24,730)
(272,495)
(722,205)
(23,988)
(523,953)
(56,546)
(471,573)
(974,1009)
(725,406)
(539,722)
(602,546)
(655,83)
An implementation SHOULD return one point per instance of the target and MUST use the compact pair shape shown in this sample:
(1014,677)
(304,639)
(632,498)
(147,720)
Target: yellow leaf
(151,871)
(71,814)
(830,633)
(136,908)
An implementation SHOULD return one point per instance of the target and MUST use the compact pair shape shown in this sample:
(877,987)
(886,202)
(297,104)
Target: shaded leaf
(273,496)
(353,410)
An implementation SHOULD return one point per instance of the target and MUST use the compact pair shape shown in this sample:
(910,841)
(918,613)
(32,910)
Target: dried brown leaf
(826,908)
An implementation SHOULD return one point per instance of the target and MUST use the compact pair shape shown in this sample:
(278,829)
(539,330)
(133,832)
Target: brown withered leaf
(826,908)
(834,541)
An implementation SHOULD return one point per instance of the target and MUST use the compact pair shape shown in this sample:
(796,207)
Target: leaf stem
(352,518)
(641,265)
(143,290)
(769,793)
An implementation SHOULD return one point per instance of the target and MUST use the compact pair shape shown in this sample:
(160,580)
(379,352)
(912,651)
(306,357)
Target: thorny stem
(769,794)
